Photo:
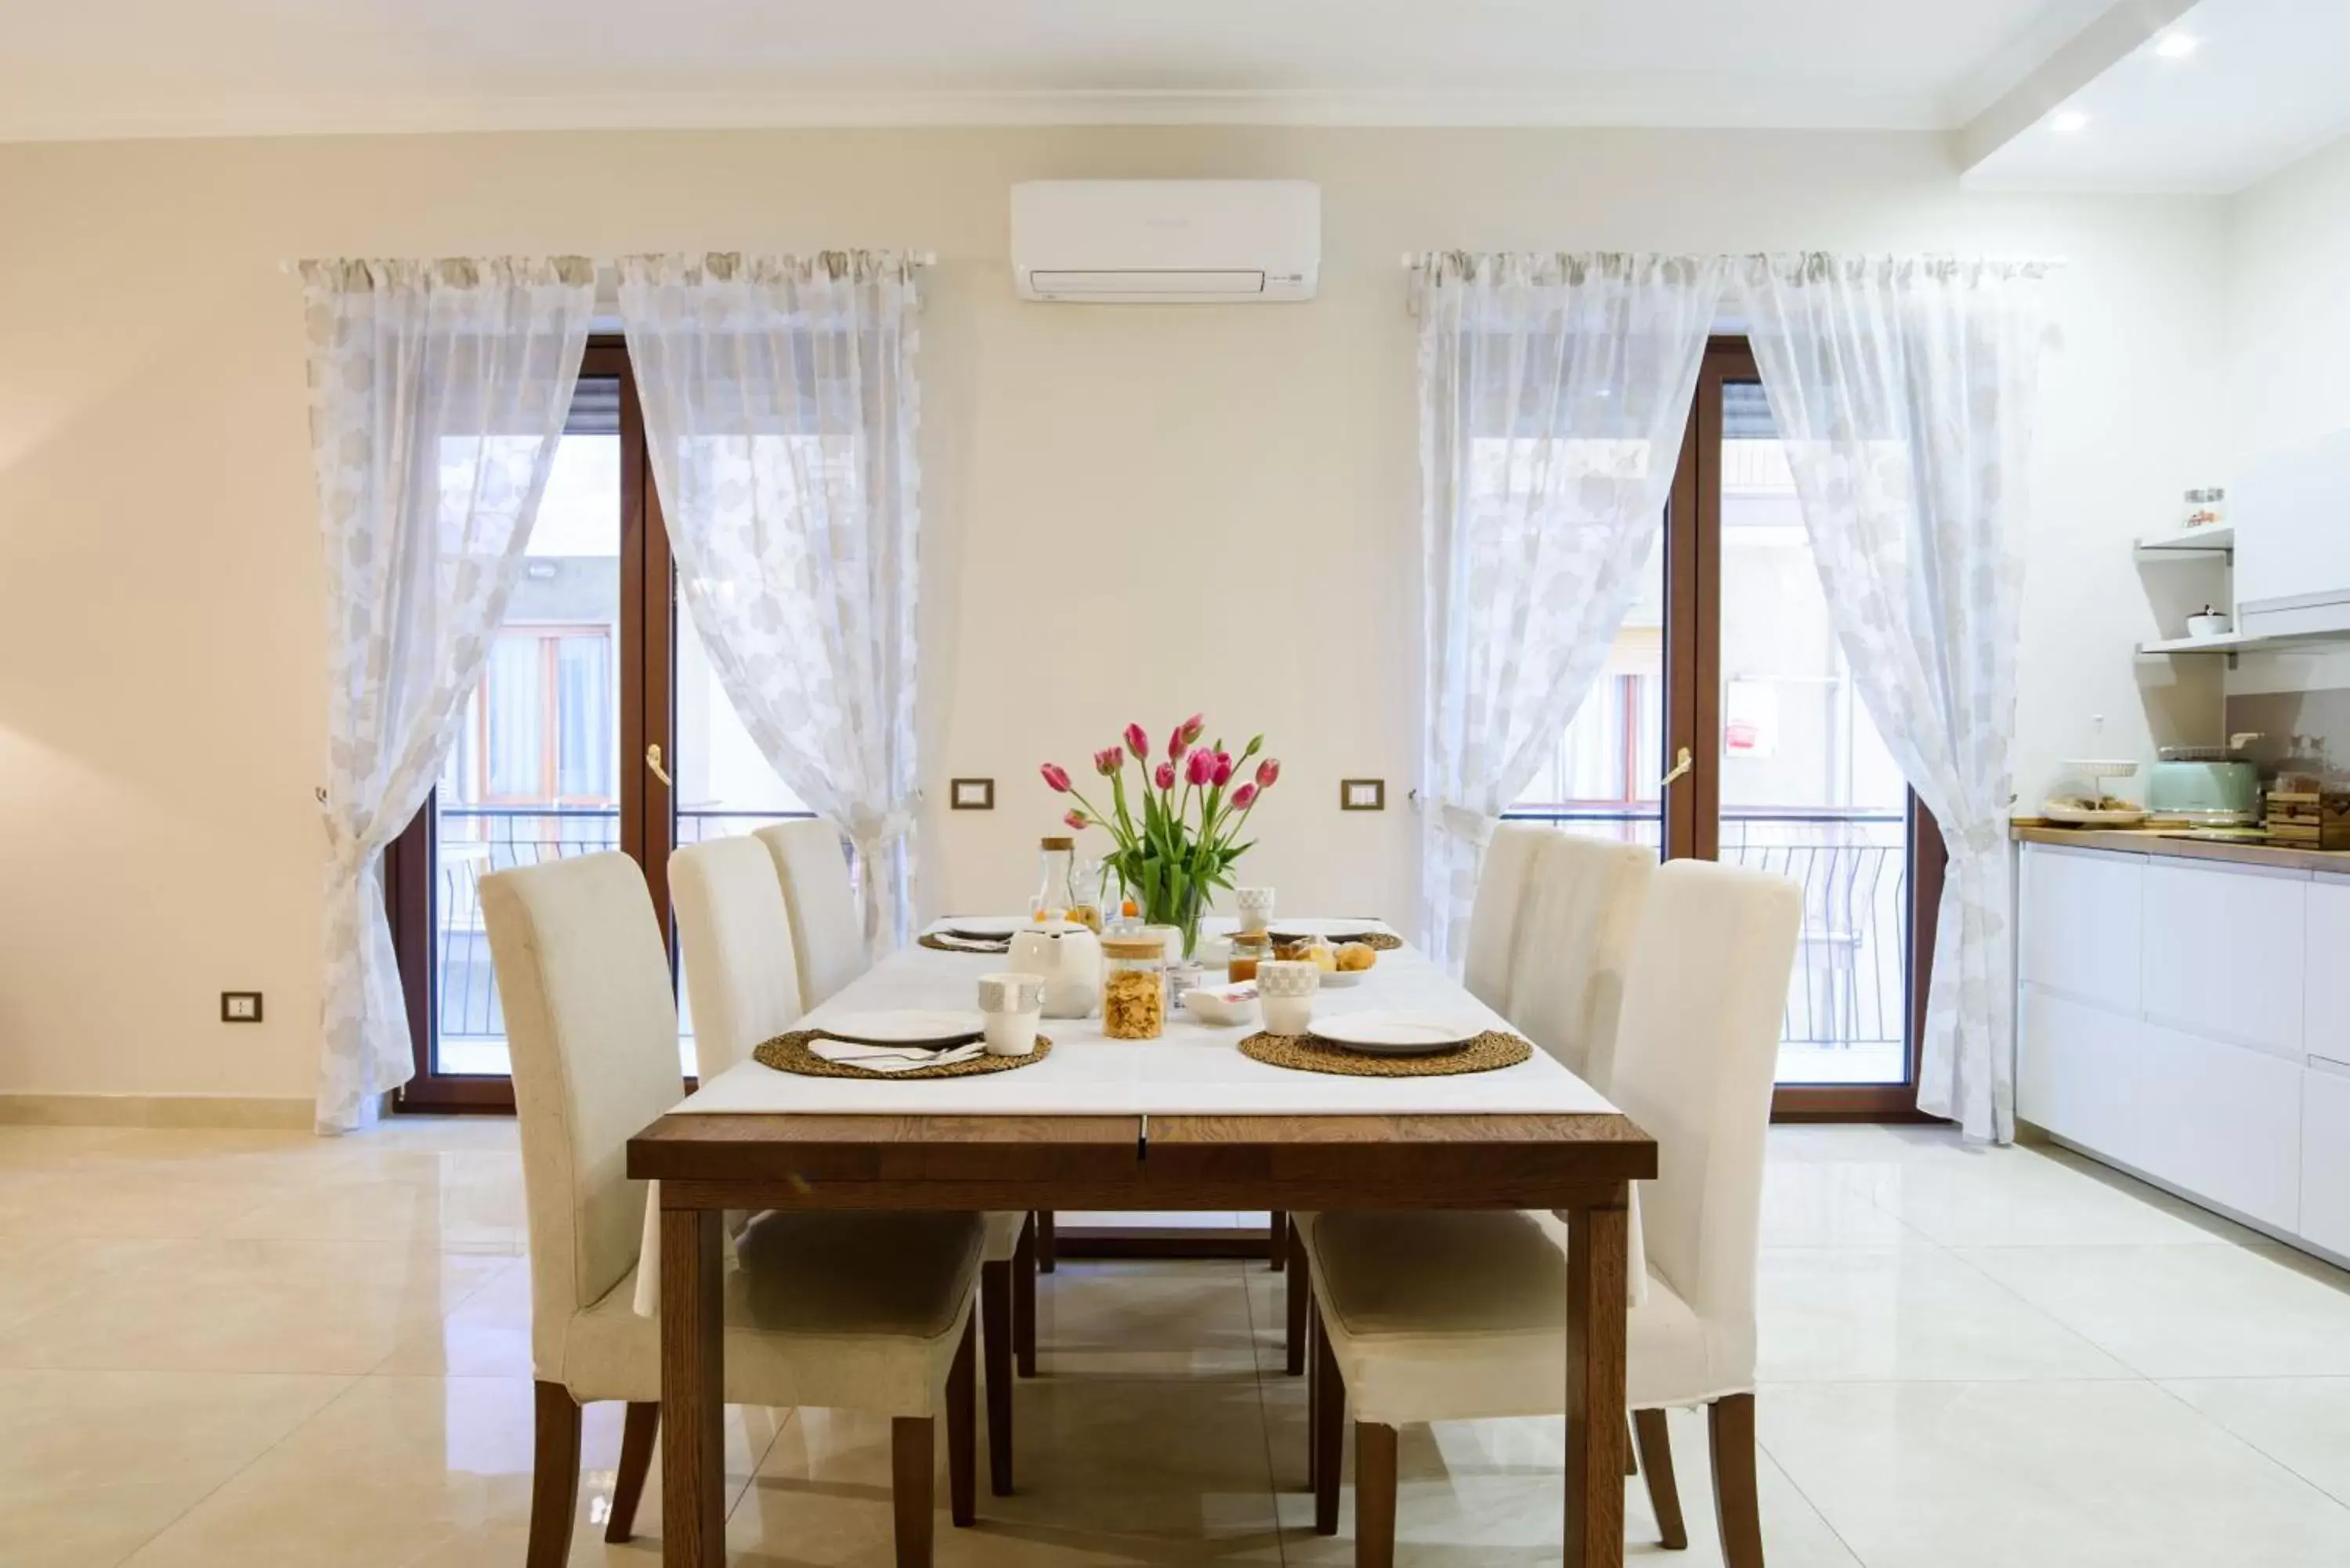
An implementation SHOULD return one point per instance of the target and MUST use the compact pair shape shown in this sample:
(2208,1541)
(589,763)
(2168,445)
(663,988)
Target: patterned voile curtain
(781,410)
(1553,392)
(438,391)
(1905,390)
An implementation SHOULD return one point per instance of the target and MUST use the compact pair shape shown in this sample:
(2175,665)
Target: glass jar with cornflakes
(1134,988)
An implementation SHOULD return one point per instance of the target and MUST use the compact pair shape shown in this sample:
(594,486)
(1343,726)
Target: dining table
(1184,1122)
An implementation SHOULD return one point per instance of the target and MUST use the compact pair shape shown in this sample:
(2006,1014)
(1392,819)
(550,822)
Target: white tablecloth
(1192,1070)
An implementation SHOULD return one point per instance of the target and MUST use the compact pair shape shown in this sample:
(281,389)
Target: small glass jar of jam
(1250,948)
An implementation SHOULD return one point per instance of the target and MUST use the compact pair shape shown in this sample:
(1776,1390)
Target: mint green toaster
(2211,793)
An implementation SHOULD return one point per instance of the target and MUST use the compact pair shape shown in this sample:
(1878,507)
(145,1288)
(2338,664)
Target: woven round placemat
(1306,1053)
(1378,941)
(790,1054)
(932,940)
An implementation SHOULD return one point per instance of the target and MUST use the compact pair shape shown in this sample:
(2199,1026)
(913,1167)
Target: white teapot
(1068,957)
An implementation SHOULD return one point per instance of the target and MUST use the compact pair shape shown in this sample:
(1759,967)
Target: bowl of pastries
(1342,965)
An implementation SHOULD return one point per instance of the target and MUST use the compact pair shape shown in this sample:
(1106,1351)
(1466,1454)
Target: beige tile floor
(243,1348)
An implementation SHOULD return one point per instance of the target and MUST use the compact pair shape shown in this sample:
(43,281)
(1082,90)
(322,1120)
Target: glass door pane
(1807,788)
(1603,777)
(534,774)
(723,785)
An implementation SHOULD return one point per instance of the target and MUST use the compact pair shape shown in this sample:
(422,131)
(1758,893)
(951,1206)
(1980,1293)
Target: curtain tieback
(1465,821)
(873,833)
(1985,837)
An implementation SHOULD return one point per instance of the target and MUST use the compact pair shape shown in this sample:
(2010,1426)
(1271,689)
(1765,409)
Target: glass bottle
(1056,864)
(1085,893)
(1250,948)
(1134,988)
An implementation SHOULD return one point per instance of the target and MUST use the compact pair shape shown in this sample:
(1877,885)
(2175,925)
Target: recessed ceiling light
(2067,121)
(2177,46)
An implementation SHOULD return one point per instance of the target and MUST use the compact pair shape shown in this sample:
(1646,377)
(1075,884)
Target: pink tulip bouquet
(1181,843)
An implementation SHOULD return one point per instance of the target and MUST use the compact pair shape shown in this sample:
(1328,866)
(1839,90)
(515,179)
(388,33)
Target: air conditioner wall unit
(1168,242)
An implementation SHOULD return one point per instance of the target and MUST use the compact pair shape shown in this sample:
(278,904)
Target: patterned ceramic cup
(1285,989)
(1254,906)
(1009,1007)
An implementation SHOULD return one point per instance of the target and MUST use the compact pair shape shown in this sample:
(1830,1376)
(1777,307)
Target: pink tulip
(1056,777)
(1200,768)
(1078,821)
(1108,760)
(1176,746)
(1223,773)
(1165,777)
(1267,772)
(1138,741)
(1192,727)
(1244,797)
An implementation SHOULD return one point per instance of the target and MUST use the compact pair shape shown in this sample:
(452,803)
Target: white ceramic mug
(1009,1008)
(1284,991)
(1254,906)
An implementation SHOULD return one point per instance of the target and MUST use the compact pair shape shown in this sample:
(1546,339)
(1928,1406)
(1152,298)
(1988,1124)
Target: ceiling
(2210,101)
(2260,89)
(177,67)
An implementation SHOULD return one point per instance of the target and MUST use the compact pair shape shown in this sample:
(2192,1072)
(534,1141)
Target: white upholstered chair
(1492,953)
(869,1311)
(735,937)
(1577,918)
(1579,904)
(828,928)
(1456,1317)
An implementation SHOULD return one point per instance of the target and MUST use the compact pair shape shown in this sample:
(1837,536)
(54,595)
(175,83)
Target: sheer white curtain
(781,407)
(1554,390)
(438,393)
(1904,391)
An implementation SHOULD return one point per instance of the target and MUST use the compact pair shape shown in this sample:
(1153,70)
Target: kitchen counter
(2141,841)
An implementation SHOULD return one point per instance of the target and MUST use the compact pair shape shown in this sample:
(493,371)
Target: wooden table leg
(1598,1238)
(693,1392)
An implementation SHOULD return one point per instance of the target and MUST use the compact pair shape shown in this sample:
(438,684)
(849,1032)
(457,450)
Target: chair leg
(962,1421)
(1023,1300)
(637,1433)
(1299,1287)
(1329,1417)
(1655,1444)
(554,1476)
(1045,1258)
(995,1297)
(909,1488)
(1375,1495)
(1631,1447)
(1313,1412)
(1737,1509)
(1277,1243)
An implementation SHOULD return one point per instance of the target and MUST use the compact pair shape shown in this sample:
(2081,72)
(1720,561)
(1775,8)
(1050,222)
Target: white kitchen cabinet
(2223,949)
(2221,1121)
(2326,986)
(2081,922)
(2325,1156)
(2080,1075)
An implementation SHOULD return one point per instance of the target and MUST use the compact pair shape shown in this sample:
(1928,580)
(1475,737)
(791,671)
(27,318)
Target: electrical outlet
(240,1007)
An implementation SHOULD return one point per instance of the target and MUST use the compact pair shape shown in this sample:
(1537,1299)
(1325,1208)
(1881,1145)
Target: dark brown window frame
(646,694)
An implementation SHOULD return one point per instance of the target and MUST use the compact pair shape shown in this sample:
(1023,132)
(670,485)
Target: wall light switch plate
(240,1007)
(1362,794)
(971,794)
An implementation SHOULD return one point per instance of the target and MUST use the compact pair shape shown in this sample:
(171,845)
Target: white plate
(902,1026)
(979,930)
(1340,979)
(1395,1033)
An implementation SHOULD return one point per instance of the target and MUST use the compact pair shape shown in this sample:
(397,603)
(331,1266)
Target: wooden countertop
(2161,841)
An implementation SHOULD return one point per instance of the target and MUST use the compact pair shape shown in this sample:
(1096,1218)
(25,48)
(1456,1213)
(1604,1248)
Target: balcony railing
(475,840)
(1852,972)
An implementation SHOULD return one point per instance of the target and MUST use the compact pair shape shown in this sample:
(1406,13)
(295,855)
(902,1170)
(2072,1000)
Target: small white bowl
(1223,1006)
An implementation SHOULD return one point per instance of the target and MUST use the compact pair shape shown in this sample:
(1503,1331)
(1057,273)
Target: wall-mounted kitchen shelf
(2212,538)
(2235,645)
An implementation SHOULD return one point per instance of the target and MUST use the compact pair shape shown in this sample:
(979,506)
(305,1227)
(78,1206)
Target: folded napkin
(892,1058)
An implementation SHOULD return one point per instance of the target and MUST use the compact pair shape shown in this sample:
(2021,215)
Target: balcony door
(597,725)
(1726,727)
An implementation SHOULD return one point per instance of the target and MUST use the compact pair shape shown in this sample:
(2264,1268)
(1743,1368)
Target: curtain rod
(920,258)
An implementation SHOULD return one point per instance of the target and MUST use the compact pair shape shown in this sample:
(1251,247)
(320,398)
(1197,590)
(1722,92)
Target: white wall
(1136,512)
